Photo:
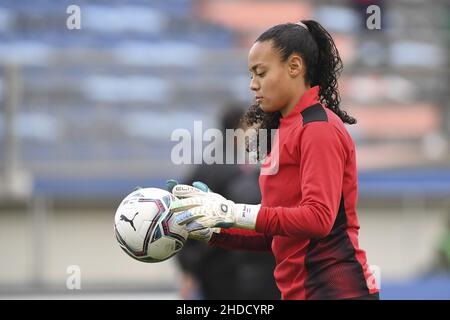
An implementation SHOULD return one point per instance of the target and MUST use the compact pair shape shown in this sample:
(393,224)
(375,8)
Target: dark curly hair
(323,67)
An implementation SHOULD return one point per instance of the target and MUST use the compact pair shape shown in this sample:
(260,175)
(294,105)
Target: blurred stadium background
(86,115)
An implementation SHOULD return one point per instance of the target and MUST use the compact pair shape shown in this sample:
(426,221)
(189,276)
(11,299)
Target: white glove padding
(196,232)
(212,210)
(202,234)
(182,191)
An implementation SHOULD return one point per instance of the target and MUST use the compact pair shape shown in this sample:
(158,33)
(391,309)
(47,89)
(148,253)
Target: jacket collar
(309,98)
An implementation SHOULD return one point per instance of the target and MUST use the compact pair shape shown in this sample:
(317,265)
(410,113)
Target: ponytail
(325,72)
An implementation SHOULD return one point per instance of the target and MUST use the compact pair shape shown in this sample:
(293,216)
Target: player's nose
(254,85)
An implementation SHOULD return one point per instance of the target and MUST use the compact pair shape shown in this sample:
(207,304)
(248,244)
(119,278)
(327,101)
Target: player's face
(270,79)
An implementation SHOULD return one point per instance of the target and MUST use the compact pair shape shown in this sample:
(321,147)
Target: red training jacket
(308,211)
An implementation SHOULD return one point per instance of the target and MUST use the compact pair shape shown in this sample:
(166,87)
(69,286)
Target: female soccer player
(307,215)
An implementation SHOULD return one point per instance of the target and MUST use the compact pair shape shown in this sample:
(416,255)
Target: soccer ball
(144,226)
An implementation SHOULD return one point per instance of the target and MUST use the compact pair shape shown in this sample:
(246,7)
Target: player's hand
(202,234)
(211,212)
(208,209)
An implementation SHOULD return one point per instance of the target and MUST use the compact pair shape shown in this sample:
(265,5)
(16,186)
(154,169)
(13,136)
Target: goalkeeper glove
(208,209)
(203,234)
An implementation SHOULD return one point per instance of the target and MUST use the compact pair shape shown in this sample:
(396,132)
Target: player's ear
(295,65)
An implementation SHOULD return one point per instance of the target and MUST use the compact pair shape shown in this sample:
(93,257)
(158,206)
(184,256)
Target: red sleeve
(239,239)
(322,160)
